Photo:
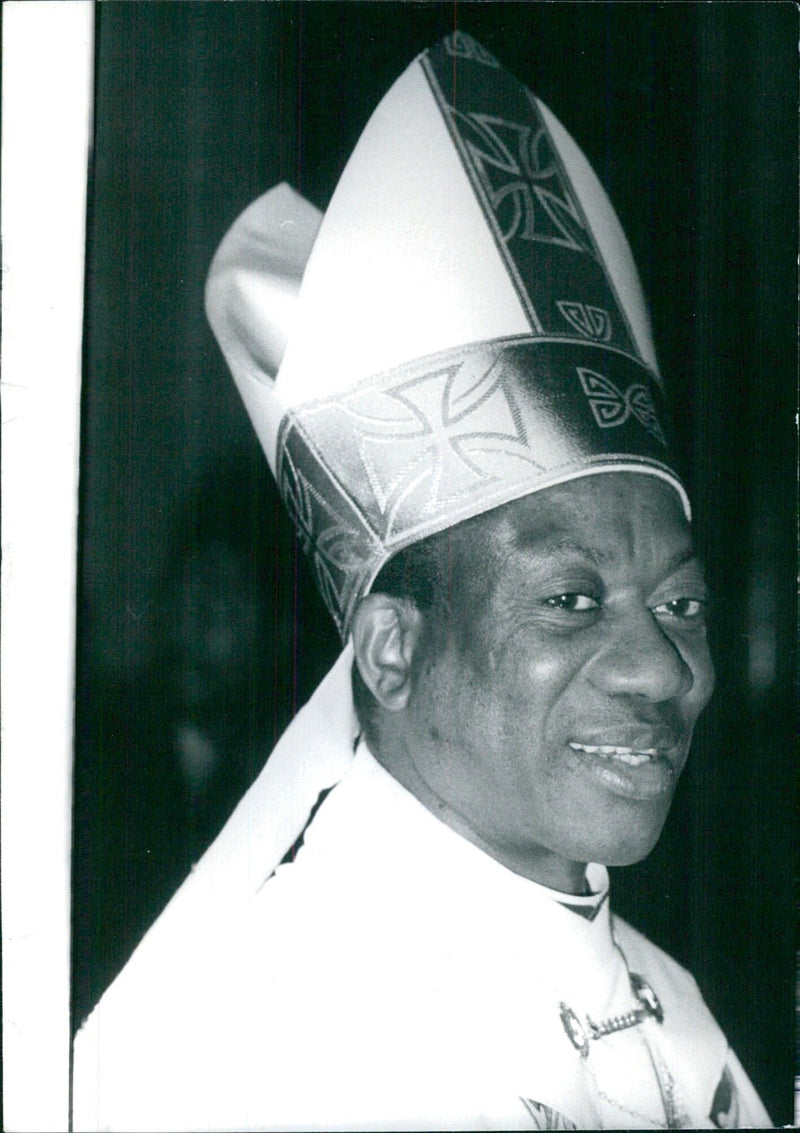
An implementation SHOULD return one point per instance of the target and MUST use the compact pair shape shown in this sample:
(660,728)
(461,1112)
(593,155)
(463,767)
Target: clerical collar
(587,907)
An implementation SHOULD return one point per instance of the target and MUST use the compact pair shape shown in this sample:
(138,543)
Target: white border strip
(47,104)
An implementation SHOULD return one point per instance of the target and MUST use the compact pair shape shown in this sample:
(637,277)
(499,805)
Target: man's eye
(686,609)
(572,602)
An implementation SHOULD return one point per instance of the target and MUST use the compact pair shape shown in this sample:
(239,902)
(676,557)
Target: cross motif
(453,425)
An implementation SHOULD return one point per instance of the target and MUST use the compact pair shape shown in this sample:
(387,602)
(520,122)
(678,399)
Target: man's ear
(385,633)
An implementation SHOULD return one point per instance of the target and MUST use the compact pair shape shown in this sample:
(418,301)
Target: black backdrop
(688,114)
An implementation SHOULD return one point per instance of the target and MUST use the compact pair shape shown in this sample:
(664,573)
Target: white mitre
(468,328)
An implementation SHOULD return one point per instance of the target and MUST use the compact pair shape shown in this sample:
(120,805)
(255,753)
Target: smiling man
(544,704)
(406,923)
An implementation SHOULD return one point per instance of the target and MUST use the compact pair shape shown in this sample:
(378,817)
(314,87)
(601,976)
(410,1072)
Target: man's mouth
(637,761)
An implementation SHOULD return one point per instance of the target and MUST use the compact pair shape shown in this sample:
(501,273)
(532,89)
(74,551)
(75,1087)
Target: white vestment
(394,976)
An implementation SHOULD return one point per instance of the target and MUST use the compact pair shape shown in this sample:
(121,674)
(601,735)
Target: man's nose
(640,659)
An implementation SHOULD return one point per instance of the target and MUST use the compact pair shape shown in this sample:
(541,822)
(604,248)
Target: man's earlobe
(385,634)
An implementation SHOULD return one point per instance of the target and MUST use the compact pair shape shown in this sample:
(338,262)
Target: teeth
(627,755)
(634,759)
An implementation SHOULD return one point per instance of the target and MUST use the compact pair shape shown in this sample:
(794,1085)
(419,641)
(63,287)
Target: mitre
(463,326)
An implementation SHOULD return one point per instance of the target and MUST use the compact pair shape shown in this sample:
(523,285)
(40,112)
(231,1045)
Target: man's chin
(633,849)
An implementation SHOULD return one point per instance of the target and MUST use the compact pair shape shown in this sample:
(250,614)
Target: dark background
(200,631)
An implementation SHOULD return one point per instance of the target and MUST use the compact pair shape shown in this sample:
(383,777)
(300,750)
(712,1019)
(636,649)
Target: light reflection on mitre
(469,327)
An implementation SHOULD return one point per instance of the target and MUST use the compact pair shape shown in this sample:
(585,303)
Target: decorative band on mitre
(408,453)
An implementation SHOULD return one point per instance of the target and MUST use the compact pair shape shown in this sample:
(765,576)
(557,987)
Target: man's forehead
(594,517)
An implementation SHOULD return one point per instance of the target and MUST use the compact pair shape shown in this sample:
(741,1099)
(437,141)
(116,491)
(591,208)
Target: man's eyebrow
(536,544)
(683,558)
(544,545)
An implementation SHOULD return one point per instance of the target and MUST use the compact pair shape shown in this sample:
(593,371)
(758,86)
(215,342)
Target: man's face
(554,718)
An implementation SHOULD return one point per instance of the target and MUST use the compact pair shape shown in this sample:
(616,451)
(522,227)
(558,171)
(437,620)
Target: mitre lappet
(463,326)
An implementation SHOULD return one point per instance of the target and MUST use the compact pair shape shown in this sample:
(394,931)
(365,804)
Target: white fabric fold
(314,752)
(251,297)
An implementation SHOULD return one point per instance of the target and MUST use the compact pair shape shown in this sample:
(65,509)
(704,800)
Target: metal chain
(649,1008)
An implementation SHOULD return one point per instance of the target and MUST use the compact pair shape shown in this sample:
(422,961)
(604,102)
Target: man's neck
(537,863)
